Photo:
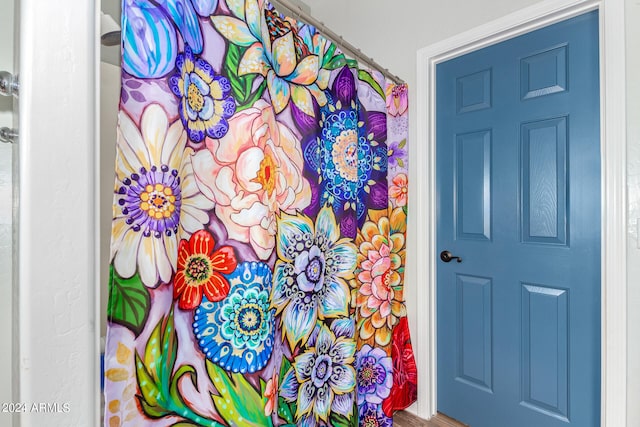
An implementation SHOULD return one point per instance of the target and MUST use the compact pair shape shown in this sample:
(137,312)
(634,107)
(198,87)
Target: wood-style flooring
(405,419)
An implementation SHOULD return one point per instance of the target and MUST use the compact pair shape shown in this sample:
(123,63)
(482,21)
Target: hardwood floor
(405,419)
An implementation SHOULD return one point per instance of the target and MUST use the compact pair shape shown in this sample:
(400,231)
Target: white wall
(57,196)
(392,37)
(6,196)
(632,11)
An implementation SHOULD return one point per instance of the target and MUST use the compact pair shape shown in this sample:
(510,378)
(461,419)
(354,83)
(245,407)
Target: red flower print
(201,269)
(405,374)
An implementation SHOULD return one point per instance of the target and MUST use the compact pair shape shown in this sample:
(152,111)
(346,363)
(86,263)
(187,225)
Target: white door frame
(57,304)
(614,202)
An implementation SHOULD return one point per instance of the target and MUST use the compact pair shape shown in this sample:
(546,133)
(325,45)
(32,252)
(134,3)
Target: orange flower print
(201,269)
(399,190)
(271,393)
(381,258)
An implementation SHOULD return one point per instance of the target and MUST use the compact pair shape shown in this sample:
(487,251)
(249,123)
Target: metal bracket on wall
(8,84)
(8,135)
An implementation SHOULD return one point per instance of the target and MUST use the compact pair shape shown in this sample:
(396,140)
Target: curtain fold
(259,226)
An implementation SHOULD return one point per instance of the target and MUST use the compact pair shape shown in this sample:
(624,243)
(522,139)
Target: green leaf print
(158,384)
(238,402)
(338,420)
(366,77)
(286,410)
(129,302)
(241,86)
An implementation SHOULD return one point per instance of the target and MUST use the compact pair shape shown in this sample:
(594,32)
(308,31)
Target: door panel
(473,319)
(544,73)
(473,193)
(544,181)
(518,199)
(545,351)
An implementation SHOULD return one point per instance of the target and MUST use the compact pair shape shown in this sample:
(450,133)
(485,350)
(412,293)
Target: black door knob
(447,256)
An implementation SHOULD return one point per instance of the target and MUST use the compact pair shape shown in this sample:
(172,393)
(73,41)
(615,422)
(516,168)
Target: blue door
(518,201)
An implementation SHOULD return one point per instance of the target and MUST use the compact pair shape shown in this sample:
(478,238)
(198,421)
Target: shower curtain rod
(336,38)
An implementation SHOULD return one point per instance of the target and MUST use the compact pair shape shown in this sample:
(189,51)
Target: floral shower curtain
(259,226)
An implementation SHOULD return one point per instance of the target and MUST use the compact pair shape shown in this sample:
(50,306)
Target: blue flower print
(150,42)
(237,332)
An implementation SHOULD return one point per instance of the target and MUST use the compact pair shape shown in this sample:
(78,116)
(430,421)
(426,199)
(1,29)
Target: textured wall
(632,12)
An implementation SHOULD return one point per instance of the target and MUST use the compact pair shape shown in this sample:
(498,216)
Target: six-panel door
(518,199)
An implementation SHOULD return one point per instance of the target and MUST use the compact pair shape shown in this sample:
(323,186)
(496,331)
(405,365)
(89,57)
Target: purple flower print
(374,375)
(372,416)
